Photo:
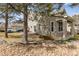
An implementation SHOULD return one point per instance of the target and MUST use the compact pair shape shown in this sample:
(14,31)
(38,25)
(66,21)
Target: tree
(6,14)
(25,22)
(6,20)
(22,10)
(42,9)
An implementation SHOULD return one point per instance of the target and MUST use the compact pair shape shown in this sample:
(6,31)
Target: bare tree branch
(15,8)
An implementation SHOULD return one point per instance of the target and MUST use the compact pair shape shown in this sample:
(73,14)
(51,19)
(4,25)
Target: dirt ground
(38,50)
(42,48)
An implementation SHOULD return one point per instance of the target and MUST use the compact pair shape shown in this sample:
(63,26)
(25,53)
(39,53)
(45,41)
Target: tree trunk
(25,23)
(6,21)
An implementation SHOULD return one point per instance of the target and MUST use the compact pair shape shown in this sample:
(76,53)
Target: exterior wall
(32,26)
(44,28)
(59,34)
(32,22)
(76,18)
(68,27)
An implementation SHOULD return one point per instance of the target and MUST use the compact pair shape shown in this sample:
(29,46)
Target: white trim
(58,26)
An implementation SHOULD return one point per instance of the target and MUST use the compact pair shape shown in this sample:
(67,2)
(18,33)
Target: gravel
(38,50)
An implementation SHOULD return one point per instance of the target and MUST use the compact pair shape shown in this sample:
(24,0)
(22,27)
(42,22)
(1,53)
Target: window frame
(60,25)
(52,26)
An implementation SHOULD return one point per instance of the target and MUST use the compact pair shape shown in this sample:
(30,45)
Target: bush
(60,42)
(71,39)
(1,30)
(10,31)
(19,30)
(46,37)
(76,37)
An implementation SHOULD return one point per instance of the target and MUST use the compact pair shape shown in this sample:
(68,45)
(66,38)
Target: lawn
(16,36)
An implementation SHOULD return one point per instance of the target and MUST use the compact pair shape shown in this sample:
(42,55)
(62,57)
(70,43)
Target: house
(32,25)
(76,18)
(32,22)
(14,26)
(58,27)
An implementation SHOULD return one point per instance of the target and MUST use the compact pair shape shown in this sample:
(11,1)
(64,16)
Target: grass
(16,36)
(46,38)
(76,37)
(12,35)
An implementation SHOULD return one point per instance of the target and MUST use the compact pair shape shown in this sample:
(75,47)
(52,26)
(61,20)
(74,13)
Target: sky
(71,11)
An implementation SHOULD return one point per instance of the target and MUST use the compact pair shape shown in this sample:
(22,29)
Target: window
(52,28)
(60,25)
(35,28)
(31,26)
